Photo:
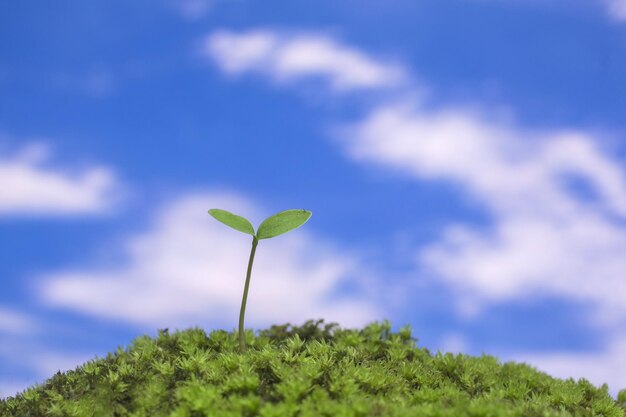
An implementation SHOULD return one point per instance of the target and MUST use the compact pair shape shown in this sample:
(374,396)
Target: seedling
(275,225)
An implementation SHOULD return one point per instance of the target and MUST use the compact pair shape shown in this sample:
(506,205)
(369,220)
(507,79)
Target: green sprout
(275,225)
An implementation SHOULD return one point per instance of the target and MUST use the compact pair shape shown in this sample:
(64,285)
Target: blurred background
(464,161)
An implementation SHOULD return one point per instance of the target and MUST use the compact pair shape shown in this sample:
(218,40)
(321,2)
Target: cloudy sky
(464,161)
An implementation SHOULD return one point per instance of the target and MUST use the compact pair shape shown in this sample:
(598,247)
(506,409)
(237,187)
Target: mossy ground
(305,371)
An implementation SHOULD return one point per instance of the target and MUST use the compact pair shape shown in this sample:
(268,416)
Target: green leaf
(282,222)
(236,222)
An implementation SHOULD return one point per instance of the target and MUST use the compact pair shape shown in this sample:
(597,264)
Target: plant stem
(242,342)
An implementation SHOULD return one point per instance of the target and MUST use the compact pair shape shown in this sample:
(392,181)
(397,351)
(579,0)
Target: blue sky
(463,160)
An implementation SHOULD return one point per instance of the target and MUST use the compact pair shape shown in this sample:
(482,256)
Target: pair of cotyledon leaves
(274,225)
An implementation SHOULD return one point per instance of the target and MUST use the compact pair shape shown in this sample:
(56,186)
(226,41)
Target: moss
(305,371)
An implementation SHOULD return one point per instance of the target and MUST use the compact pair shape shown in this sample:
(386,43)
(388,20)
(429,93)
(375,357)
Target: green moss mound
(306,372)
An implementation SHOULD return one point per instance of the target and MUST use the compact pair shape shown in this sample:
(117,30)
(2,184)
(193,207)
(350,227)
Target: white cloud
(9,387)
(190,269)
(15,322)
(97,82)
(41,363)
(453,343)
(193,9)
(617,9)
(545,240)
(603,367)
(284,57)
(35,359)
(29,187)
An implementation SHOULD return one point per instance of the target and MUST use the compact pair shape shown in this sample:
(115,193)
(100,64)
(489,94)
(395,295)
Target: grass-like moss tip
(305,371)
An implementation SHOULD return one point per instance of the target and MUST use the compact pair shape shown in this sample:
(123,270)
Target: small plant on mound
(273,226)
(305,372)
